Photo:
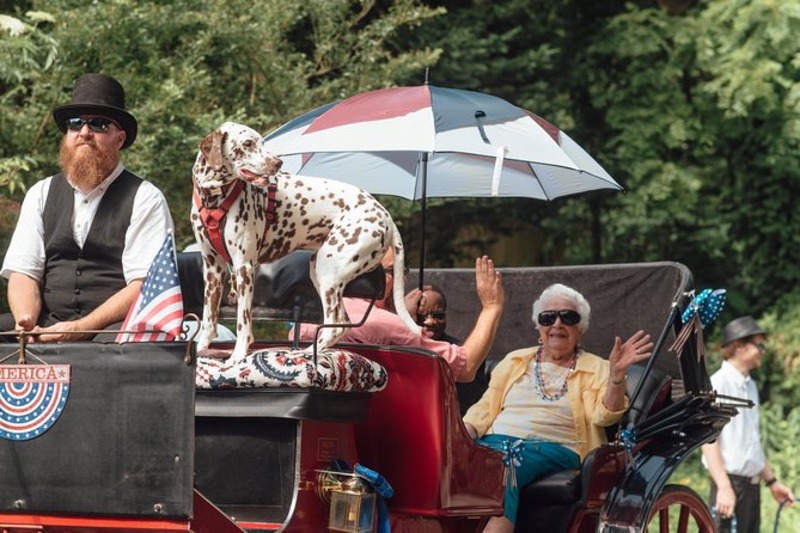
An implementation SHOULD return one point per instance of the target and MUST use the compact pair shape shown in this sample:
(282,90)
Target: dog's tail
(399,284)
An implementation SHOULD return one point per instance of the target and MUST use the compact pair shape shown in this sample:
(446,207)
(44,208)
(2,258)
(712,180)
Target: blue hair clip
(708,306)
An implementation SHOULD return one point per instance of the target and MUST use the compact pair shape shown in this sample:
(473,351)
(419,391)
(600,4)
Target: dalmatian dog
(245,212)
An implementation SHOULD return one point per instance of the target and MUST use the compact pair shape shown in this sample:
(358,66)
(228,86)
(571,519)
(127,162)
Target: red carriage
(136,447)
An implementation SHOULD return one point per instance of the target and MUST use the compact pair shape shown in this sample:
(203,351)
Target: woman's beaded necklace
(541,389)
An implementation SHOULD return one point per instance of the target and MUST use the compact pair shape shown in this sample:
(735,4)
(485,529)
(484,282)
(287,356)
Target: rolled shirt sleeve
(25,252)
(150,222)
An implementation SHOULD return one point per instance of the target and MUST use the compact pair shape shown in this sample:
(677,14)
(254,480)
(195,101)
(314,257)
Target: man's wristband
(771,481)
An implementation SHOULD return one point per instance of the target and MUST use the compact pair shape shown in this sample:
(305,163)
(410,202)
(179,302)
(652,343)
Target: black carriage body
(124,443)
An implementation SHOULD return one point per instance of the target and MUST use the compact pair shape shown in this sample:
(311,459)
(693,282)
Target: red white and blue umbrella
(426,141)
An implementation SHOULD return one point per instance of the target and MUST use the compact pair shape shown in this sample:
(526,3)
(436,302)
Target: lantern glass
(351,511)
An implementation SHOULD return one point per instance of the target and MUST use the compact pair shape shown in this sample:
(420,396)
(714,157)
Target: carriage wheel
(679,509)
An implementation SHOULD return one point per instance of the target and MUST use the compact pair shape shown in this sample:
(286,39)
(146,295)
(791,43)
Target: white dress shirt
(150,221)
(740,439)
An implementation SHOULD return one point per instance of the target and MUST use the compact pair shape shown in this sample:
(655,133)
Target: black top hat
(98,94)
(741,328)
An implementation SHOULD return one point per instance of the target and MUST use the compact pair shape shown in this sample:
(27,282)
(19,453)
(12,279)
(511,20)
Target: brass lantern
(352,501)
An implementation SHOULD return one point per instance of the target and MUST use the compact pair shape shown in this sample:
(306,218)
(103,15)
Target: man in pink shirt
(384,327)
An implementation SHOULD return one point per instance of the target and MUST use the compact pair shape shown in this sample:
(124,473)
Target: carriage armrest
(592,482)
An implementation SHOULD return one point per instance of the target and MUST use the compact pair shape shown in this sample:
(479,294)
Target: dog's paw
(237,357)
(202,345)
(233,360)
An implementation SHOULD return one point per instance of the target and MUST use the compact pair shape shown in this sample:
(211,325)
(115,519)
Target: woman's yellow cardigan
(586,387)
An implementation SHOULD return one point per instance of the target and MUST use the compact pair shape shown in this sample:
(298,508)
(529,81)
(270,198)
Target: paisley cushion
(336,370)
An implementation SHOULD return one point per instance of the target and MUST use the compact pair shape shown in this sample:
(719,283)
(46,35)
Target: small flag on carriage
(704,309)
(157,313)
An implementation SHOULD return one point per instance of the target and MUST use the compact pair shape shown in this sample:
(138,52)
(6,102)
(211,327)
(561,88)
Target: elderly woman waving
(547,406)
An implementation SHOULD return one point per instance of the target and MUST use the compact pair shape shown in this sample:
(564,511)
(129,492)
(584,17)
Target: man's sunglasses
(96,124)
(436,315)
(760,345)
(568,317)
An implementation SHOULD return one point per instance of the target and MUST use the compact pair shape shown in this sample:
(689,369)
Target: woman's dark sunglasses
(96,124)
(568,317)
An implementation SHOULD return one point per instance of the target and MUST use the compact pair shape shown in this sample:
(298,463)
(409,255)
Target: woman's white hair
(556,290)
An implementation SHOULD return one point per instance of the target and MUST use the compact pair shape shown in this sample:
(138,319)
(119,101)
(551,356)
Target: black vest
(76,281)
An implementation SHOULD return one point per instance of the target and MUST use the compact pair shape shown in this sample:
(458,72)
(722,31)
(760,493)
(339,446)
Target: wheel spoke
(683,522)
(689,512)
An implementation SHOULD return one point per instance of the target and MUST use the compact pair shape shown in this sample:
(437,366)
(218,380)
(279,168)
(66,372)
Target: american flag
(157,313)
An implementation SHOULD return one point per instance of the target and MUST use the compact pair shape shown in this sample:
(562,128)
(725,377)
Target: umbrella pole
(424,171)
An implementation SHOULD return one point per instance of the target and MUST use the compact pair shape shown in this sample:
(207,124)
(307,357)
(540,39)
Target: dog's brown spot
(354,239)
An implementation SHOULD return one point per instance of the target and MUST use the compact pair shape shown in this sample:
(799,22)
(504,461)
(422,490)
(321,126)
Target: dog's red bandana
(214,218)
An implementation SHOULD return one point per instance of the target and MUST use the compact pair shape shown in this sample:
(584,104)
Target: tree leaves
(188,65)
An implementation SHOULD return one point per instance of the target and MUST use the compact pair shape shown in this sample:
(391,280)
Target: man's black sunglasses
(568,317)
(436,315)
(96,124)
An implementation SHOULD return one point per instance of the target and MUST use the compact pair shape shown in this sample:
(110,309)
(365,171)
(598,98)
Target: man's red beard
(86,166)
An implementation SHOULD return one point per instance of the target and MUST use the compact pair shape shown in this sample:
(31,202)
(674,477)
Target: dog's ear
(211,148)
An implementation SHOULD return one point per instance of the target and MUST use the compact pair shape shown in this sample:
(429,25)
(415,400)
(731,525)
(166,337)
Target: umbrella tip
(427,73)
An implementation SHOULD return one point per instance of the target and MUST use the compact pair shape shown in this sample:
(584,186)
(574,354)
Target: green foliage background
(691,105)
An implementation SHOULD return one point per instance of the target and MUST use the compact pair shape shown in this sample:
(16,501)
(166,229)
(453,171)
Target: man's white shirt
(740,439)
(150,221)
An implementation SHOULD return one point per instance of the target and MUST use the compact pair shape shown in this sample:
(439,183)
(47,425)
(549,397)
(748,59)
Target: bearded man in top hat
(85,237)
(736,460)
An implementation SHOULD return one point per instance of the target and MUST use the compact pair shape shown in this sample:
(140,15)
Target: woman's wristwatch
(769,482)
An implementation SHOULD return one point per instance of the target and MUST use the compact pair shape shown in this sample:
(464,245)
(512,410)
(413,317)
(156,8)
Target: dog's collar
(229,189)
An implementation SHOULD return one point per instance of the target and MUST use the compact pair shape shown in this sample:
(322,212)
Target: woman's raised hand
(624,354)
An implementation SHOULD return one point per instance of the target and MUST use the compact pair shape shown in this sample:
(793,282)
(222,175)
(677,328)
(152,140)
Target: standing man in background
(736,460)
